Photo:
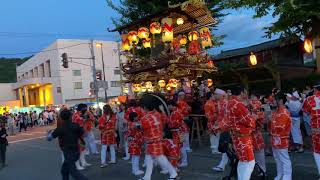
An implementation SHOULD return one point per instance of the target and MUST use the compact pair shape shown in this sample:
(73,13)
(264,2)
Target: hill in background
(8,72)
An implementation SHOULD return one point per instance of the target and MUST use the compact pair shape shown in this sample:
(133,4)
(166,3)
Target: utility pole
(96,88)
(119,56)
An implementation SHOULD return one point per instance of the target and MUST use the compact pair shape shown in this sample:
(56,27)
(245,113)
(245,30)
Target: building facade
(42,80)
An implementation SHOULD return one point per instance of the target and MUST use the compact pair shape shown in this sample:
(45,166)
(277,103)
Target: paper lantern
(146,43)
(155,28)
(173,83)
(193,36)
(205,37)
(162,83)
(143,33)
(308,46)
(209,82)
(180,21)
(136,88)
(183,40)
(133,37)
(122,99)
(253,59)
(148,85)
(126,45)
(167,30)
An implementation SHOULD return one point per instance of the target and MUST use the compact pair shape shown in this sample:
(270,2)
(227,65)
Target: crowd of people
(24,120)
(157,127)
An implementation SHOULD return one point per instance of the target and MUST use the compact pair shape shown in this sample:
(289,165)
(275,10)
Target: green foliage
(132,10)
(294,17)
(8,73)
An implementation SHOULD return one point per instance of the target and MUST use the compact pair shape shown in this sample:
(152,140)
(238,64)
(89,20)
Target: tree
(132,10)
(294,17)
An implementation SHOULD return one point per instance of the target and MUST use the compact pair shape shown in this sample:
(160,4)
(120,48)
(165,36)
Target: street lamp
(253,59)
(100,45)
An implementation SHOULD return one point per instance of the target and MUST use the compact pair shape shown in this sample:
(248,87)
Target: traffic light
(99,75)
(65,63)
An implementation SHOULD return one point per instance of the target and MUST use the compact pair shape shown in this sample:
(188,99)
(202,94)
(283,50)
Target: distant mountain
(8,72)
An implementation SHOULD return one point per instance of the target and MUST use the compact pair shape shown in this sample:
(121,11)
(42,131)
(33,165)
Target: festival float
(169,48)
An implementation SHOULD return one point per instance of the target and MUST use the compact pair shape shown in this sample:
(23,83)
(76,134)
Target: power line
(35,52)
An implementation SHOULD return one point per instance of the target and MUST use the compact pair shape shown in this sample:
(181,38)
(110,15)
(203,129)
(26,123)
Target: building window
(77,85)
(76,72)
(116,71)
(49,68)
(115,84)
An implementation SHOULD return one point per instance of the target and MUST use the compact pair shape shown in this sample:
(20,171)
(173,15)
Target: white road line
(23,140)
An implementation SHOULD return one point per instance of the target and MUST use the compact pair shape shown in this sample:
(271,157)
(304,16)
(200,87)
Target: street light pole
(96,88)
(103,71)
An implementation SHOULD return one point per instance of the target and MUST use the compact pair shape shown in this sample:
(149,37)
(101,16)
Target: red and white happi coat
(210,112)
(135,139)
(312,106)
(280,127)
(107,127)
(87,125)
(257,137)
(175,124)
(240,123)
(185,110)
(137,110)
(152,133)
(171,151)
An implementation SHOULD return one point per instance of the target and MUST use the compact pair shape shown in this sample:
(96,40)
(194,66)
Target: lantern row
(166,28)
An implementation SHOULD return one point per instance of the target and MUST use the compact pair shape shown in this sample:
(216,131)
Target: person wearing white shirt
(294,106)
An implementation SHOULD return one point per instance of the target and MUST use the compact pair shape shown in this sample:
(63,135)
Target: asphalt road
(37,159)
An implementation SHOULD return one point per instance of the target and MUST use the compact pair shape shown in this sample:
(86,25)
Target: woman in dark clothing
(3,145)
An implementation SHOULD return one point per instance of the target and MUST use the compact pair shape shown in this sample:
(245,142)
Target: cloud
(241,30)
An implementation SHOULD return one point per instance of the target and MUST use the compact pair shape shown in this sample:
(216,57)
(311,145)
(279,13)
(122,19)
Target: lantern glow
(125,45)
(143,33)
(253,59)
(209,82)
(155,28)
(146,43)
(133,37)
(136,88)
(173,83)
(308,46)
(205,37)
(193,36)
(167,29)
(162,83)
(180,21)
(183,41)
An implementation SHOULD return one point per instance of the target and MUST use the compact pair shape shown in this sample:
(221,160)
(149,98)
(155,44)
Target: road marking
(29,139)
(41,147)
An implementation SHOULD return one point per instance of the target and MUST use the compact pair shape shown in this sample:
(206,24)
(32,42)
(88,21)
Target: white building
(43,81)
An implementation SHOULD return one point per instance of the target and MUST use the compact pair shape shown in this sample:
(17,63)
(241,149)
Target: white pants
(104,153)
(126,148)
(162,161)
(261,159)
(135,163)
(224,161)
(214,141)
(295,131)
(184,156)
(245,169)
(186,141)
(82,158)
(91,143)
(283,163)
(317,159)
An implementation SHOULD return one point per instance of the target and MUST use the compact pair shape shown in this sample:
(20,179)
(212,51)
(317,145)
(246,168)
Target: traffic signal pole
(94,71)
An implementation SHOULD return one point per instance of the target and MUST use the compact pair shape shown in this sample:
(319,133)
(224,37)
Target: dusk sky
(27,26)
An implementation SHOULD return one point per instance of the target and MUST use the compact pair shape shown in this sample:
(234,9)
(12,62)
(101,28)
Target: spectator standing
(22,122)
(122,128)
(294,106)
(35,118)
(10,121)
(45,117)
(3,144)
